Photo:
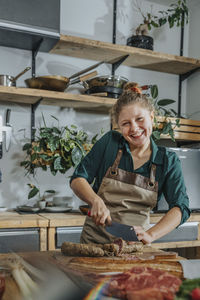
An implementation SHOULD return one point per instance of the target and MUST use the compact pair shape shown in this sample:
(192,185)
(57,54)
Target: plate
(58,208)
(28,208)
(3,208)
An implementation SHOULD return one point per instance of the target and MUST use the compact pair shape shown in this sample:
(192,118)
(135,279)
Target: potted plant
(57,149)
(42,197)
(176,14)
(163,116)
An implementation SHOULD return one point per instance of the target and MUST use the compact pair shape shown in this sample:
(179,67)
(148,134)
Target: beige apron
(128,196)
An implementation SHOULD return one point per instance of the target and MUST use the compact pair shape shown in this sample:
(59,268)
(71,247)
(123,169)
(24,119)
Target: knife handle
(8,111)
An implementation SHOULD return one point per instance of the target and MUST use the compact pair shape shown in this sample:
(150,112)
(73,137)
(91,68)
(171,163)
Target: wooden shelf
(31,96)
(138,58)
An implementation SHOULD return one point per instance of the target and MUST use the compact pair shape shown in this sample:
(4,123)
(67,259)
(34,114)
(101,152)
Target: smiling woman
(130,173)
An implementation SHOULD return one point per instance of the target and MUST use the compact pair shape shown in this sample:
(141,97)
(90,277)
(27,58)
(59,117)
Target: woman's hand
(99,212)
(142,235)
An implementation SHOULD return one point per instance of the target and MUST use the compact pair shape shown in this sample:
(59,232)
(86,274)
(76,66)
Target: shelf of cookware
(138,58)
(32,96)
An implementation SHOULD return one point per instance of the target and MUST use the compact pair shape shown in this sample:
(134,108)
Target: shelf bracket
(186,75)
(114,30)
(33,109)
(182,77)
(34,54)
(118,63)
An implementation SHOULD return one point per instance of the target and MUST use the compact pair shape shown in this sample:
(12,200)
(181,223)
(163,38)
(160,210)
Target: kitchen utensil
(8,112)
(8,131)
(1,137)
(7,80)
(115,81)
(60,83)
(126,232)
(55,83)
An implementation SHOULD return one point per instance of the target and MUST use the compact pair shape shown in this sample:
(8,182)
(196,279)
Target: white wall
(90,19)
(193,96)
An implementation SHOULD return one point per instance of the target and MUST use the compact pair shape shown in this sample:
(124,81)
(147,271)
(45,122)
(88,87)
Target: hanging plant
(57,149)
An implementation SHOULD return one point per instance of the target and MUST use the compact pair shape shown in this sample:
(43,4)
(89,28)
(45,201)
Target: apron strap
(152,175)
(116,162)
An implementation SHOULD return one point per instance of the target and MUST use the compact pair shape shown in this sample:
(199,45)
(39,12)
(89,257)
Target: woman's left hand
(142,235)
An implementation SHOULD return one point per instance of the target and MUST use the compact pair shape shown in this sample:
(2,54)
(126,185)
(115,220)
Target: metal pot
(106,81)
(7,80)
(60,83)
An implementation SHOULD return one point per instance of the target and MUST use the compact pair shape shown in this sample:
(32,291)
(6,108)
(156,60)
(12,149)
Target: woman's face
(135,122)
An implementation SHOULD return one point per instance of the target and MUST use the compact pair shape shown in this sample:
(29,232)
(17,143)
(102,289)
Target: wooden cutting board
(116,264)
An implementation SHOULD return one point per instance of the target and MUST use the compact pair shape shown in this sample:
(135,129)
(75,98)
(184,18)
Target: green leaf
(34,156)
(173,111)
(166,128)
(27,147)
(33,192)
(164,102)
(57,164)
(178,123)
(156,135)
(154,24)
(54,118)
(56,130)
(45,157)
(154,91)
(76,156)
(50,191)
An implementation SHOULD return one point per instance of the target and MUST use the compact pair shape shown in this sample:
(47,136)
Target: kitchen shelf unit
(102,51)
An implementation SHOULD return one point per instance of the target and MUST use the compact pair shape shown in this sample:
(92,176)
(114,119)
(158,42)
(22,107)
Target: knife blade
(126,232)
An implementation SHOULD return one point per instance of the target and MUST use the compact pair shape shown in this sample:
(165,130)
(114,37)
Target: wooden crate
(189,130)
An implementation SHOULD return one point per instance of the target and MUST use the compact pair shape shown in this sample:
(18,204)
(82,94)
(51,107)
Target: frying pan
(60,83)
(55,83)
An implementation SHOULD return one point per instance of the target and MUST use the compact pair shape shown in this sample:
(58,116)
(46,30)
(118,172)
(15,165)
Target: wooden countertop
(12,219)
(64,219)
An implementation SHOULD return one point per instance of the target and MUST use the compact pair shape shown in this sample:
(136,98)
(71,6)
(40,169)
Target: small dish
(58,208)
(27,208)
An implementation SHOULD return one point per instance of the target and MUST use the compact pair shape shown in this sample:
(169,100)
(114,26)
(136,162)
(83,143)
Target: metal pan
(55,83)
(105,81)
(7,80)
(59,83)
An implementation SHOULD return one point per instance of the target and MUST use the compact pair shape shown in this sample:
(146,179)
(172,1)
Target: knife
(8,129)
(126,232)
(1,136)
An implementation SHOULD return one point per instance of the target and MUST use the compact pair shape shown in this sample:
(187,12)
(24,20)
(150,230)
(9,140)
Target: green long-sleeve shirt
(168,169)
